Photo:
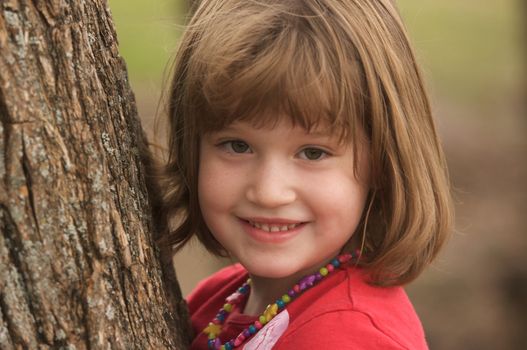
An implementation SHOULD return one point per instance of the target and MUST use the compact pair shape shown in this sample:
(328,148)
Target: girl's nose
(271,185)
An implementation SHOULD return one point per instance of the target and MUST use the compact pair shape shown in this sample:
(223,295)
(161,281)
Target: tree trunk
(78,267)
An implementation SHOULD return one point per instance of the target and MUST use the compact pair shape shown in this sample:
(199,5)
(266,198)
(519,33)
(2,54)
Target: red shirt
(340,312)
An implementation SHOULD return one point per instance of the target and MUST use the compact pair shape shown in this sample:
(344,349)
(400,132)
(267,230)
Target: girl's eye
(236,146)
(312,153)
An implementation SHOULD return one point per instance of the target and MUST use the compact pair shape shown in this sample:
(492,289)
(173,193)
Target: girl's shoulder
(345,309)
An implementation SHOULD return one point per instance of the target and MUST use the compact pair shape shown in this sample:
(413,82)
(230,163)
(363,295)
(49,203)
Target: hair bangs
(278,70)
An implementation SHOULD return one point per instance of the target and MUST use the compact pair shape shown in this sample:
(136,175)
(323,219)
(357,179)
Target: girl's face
(280,200)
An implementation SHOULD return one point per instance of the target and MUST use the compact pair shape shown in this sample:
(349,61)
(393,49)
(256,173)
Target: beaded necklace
(214,328)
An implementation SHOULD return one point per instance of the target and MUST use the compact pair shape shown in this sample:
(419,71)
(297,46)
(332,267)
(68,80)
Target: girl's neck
(265,291)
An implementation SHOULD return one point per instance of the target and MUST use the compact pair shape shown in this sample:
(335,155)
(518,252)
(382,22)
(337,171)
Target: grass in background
(148,32)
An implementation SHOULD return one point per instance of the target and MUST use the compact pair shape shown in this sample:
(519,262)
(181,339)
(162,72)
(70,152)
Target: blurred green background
(473,56)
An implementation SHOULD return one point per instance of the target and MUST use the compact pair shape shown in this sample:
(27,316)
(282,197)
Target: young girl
(302,145)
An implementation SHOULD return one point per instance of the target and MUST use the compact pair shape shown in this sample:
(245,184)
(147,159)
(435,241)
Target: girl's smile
(272,230)
(280,200)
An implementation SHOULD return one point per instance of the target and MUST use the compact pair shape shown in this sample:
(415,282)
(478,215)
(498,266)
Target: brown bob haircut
(345,64)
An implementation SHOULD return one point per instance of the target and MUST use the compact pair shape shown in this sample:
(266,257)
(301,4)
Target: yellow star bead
(212,330)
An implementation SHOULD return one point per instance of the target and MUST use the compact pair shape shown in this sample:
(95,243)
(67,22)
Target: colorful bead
(214,343)
(307,282)
(239,339)
(262,319)
(270,312)
(214,328)
(234,297)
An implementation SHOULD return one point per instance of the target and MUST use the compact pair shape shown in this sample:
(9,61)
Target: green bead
(262,319)
(227,307)
(323,271)
(286,298)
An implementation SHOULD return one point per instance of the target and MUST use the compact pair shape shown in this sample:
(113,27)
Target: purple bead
(291,293)
(246,333)
(318,276)
(307,281)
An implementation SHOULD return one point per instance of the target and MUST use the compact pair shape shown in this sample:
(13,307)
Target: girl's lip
(272,221)
(275,237)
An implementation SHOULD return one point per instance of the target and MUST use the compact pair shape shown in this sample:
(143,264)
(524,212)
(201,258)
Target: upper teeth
(273,228)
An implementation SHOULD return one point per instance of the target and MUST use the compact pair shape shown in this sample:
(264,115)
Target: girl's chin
(269,270)
(283,269)
(277,271)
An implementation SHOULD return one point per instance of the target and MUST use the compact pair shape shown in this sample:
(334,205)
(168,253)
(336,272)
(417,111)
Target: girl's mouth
(273,227)
(272,230)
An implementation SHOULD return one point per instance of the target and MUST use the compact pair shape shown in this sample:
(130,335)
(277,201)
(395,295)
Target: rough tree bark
(78,267)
